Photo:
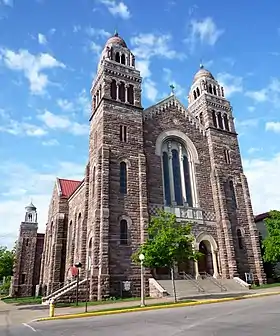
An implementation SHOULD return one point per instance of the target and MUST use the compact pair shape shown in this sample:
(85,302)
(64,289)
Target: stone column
(223,121)
(215,263)
(126,93)
(171,181)
(183,185)
(118,90)
(193,184)
(196,270)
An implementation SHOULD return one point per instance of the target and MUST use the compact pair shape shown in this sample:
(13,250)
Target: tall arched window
(123,59)
(117,57)
(90,259)
(123,178)
(122,92)
(114,89)
(210,88)
(220,120)
(197,92)
(232,194)
(214,117)
(123,232)
(226,122)
(130,94)
(194,94)
(214,90)
(239,239)
(176,174)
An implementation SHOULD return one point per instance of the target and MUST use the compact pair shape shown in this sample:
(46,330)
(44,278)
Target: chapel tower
(28,255)
(237,233)
(117,210)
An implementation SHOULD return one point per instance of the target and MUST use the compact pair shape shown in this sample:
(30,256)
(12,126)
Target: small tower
(26,263)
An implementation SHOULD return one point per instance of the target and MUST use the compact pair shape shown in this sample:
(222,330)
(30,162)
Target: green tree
(271,243)
(6,262)
(168,243)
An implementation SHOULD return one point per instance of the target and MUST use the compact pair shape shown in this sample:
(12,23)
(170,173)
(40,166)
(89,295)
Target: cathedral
(183,159)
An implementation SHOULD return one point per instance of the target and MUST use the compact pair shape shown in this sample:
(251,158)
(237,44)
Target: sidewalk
(11,314)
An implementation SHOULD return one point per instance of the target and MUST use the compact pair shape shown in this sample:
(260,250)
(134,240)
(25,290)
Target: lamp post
(141,258)
(78,266)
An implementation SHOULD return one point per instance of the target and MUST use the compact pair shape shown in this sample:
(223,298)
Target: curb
(147,308)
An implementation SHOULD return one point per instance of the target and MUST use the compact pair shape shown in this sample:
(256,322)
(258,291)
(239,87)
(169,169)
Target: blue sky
(48,55)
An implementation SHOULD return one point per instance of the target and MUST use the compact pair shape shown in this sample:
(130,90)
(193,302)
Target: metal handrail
(215,281)
(194,281)
(59,290)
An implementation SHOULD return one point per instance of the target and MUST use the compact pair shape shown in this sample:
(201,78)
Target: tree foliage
(271,243)
(168,242)
(6,262)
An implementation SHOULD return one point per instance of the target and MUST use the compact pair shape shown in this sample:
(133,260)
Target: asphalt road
(258,317)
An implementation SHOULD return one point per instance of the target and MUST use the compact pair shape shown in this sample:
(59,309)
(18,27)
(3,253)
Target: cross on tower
(172,87)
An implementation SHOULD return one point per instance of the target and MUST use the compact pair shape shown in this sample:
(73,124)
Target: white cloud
(247,123)
(169,79)
(251,108)
(263,178)
(42,39)
(32,66)
(65,104)
(95,48)
(273,126)
(14,127)
(271,93)
(144,67)
(150,90)
(61,122)
(205,31)
(253,150)
(51,142)
(117,8)
(21,183)
(97,32)
(7,2)
(231,84)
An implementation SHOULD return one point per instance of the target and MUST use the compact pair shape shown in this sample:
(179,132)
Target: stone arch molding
(204,236)
(181,136)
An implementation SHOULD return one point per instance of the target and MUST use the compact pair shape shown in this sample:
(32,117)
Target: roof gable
(172,101)
(67,187)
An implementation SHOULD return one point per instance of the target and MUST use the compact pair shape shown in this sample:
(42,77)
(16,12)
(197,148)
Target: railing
(214,281)
(194,281)
(59,290)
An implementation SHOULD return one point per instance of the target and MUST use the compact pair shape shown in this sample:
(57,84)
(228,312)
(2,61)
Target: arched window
(197,92)
(123,232)
(114,89)
(123,178)
(117,57)
(220,120)
(123,59)
(201,118)
(214,90)
(239,239)
(194,94)
(122,92)
(210,88)
(214,117)
(93,182)
(226,122)
(232,194)
(90,259)
(227,156)
(130,94)
(176,174)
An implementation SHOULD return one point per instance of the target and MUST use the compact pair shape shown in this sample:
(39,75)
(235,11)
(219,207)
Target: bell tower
(237,232)
(25,263)
(117,171)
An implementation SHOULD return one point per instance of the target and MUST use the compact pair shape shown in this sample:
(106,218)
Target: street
(256,317)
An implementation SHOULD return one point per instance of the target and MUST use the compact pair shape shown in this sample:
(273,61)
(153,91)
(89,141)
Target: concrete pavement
(256,317)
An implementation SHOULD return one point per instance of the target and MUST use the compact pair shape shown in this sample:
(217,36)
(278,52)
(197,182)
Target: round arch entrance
(205,262)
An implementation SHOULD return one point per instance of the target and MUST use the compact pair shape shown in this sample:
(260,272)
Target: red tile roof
(68,187)
(261,217)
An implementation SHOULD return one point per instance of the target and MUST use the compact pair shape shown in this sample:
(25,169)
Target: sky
(49,51)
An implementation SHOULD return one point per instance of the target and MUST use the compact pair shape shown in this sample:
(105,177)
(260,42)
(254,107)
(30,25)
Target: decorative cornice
(165,104)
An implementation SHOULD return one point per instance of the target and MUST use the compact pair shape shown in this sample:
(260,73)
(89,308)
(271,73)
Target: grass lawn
(276,284)
(23,300)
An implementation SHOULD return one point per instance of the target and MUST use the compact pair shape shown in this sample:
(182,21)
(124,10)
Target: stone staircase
(65,293)
(188,286)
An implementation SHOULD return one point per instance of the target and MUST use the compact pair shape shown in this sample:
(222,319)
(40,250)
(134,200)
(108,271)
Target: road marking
(29,326)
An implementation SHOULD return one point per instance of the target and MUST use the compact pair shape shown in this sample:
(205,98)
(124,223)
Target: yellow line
(147,308)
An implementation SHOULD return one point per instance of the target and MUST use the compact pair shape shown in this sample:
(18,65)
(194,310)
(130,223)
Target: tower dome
(116,40)
(30,207)
(202,73)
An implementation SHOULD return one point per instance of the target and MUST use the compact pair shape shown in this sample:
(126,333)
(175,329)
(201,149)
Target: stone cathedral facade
(183,159)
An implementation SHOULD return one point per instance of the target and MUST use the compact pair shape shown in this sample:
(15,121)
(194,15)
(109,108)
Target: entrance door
(203,260)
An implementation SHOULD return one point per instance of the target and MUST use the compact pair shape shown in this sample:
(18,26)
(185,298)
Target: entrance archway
(205,262)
